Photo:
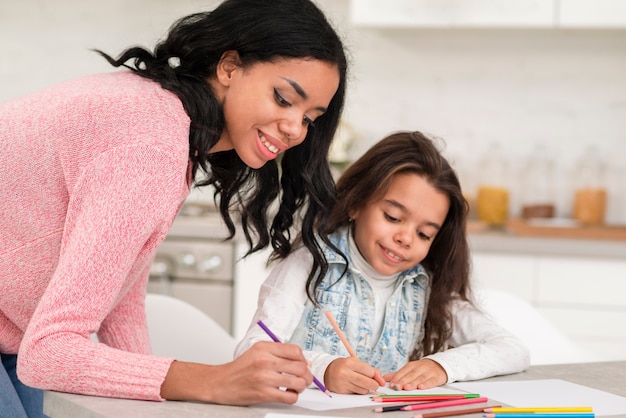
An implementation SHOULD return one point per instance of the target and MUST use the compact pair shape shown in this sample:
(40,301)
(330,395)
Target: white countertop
(211,226)
(607,376)
(505,243)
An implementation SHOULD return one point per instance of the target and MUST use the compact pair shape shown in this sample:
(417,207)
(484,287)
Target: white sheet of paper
(547,393)
(272,415)
(316,400)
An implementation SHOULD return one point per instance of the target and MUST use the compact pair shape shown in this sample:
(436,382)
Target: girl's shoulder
(339,239)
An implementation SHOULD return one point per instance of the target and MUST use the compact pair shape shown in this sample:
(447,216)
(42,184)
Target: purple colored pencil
(274,338)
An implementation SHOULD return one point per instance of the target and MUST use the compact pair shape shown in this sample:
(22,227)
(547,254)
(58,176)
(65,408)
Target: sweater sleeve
(119,210)
(480,348)
(126,326)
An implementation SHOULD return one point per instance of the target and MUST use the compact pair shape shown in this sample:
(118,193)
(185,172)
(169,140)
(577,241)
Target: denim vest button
(384,348)
(392,305)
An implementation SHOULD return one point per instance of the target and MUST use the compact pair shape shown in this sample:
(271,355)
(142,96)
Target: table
(607,376)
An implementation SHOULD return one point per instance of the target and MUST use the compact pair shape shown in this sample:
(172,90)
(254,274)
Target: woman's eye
(307,121)
(280,99)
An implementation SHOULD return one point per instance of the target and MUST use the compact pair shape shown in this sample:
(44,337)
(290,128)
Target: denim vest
(351,301)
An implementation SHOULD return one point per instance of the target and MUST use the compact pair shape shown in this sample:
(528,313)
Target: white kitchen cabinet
(506,272)
(592,14)
(452,13)
(584,297)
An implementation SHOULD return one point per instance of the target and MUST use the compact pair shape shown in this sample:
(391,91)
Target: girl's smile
(393,257)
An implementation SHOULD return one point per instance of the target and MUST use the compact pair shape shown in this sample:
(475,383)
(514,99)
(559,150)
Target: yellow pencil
(550,409)
(340,333)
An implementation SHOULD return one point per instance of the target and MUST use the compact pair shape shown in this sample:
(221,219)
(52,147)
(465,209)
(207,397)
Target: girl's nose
(404,237)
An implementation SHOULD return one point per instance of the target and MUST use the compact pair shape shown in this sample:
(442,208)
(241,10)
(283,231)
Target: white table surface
(606,376)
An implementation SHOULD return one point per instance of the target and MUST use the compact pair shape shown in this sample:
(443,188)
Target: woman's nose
(293,129)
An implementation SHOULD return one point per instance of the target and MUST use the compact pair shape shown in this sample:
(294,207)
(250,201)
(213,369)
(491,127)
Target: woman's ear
(229,62)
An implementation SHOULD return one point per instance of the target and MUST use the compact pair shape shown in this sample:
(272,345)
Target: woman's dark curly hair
(260,31)
(448,260)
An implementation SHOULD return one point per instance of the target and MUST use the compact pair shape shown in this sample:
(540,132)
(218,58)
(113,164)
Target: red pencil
(441,404)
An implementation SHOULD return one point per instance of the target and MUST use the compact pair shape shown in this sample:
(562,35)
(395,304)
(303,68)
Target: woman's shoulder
(124,89)
(121,108)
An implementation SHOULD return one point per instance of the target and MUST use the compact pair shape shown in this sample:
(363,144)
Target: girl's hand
(419,374)
(351,375)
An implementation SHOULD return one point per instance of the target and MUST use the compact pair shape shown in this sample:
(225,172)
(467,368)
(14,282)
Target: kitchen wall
(565,89)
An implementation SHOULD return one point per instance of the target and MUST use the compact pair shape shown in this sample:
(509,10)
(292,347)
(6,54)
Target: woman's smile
(269,146)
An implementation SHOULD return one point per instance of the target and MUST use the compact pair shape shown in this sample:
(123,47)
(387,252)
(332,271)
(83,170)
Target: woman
(95,170)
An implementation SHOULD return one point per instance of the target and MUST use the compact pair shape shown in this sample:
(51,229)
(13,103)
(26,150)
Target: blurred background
(528,98)
(479,74)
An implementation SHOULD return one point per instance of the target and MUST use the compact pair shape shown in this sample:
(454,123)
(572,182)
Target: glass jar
(590,194)
(492,197)
(538,185)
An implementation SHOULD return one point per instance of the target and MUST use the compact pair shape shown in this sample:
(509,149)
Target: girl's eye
(390,218)
(280,99)
(307,121)
(423,236)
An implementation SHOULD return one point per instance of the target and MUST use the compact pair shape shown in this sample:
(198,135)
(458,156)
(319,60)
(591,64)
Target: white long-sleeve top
(478,347)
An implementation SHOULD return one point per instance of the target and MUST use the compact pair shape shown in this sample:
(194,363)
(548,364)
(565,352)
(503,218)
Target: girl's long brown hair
(448,261)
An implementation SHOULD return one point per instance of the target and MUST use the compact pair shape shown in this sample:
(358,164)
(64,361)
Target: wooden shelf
(521,227)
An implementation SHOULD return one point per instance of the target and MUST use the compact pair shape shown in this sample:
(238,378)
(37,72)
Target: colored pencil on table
(340,333)
(399,408)
(420,398)
(451,413)
(392,407)
(541,409)
(412,395)
(441,404)
(274,338)
(540,415)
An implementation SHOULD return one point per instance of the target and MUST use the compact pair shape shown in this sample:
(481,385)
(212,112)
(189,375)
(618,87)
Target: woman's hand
(419,374)
(254,377)
(351,375)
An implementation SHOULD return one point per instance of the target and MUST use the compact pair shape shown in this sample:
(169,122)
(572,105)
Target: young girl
(94,171)
(397,282)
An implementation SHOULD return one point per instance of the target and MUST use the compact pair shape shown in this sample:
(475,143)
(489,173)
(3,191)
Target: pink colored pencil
(340,333)
(422,398)
(441,404)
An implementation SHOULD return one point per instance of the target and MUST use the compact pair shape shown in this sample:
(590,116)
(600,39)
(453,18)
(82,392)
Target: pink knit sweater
(92,173)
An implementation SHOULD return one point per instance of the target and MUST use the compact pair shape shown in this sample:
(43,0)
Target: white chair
(547,344)
(180,330)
